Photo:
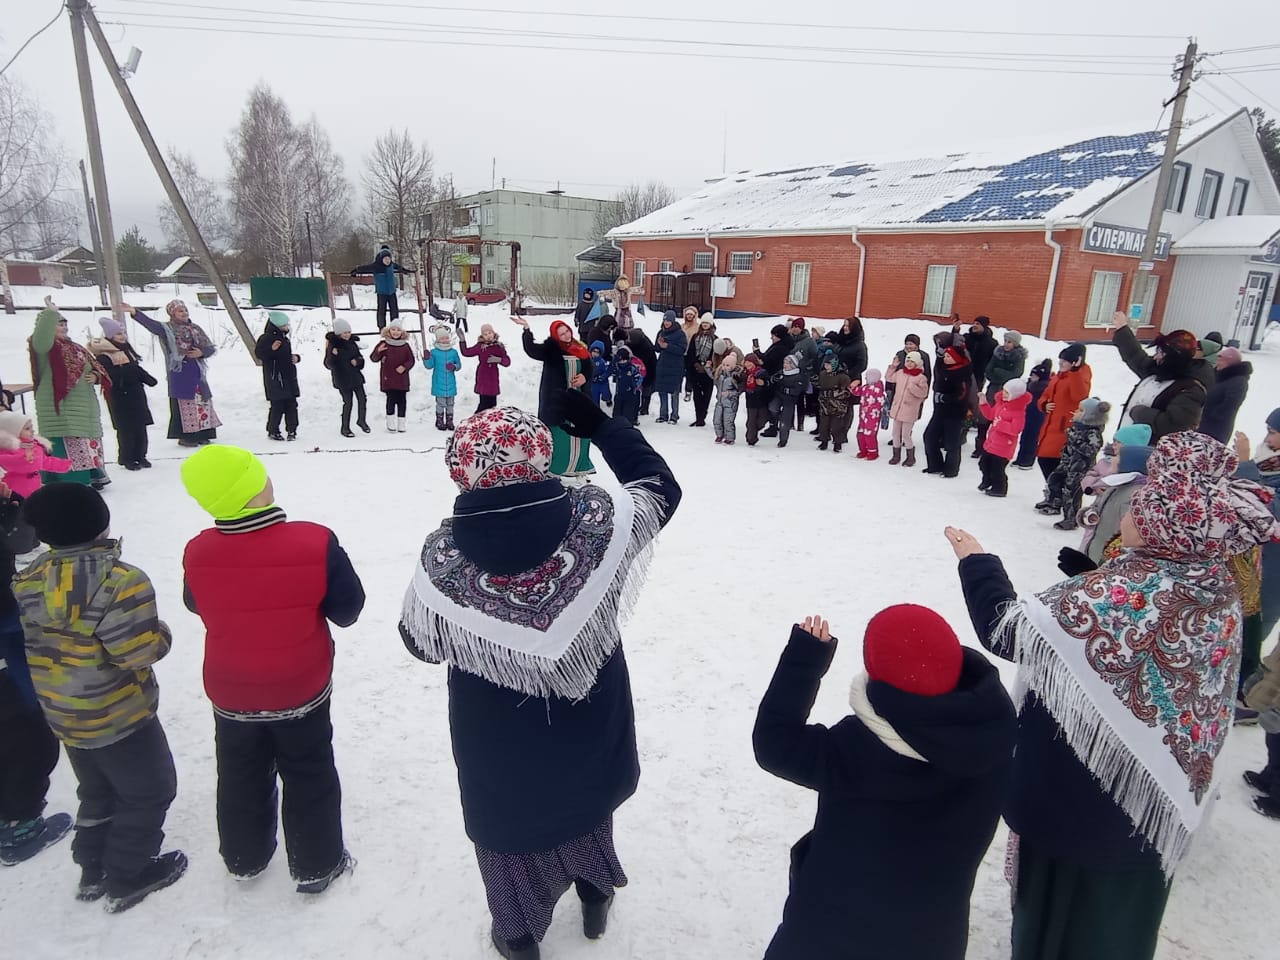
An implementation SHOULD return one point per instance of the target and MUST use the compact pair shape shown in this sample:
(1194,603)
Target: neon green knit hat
(222,479)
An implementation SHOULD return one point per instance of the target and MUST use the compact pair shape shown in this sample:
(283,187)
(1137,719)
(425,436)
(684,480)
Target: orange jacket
(1066,391)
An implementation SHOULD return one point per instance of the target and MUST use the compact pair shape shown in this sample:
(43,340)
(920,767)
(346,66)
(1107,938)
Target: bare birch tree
(399,182)
(37,214)
(205,200)
(326,193)
(631,203)
(266,193)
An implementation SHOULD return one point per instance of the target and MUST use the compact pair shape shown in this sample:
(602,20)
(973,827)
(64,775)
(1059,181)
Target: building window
(799,292)
(473,215)
(488,216)
(939,288)
(1104,298)
(488,278)
(489,251)
(665,266)
(740,262)
(1210,187)
(637,276)
(1149,301)
(702,262)
(1177,195)
(1239,190)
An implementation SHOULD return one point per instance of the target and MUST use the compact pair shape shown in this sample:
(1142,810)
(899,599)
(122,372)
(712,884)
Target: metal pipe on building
(1053,280)
(862,272)
(706,238)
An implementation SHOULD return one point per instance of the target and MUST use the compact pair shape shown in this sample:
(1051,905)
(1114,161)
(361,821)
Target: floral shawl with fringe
(545,631)
(1138,662)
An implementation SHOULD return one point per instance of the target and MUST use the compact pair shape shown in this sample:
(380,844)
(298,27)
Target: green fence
(288,291)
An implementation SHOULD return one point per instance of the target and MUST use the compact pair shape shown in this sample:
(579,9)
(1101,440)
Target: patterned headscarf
(497,448)
(1192,506)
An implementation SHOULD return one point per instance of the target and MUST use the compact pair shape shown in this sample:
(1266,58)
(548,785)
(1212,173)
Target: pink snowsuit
(22,467)
(871,404)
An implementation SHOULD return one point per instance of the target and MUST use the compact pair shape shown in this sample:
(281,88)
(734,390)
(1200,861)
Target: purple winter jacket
(188,380)
(487,384)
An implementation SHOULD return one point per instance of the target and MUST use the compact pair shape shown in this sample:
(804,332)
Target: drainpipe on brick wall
(1053,280)
(706,238)
(862,272)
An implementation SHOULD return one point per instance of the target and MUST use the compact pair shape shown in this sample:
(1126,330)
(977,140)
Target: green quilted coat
(79,414)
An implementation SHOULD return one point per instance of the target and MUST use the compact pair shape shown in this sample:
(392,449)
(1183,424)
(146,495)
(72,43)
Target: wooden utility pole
(107,237)
(82,12)
(95,242)
(1142,282)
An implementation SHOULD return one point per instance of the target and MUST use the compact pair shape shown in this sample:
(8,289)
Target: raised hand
(964,544)
(817,627)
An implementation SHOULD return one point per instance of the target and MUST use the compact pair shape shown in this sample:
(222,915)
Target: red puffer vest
(267,643)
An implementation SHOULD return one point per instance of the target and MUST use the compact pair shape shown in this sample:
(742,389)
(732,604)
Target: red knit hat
(797,323)
(913,649)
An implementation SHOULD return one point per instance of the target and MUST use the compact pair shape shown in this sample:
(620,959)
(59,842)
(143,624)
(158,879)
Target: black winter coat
(1054,801)
(642,349)
(888,870)
(338,354)
(1004,365)
(981,347)
(776,353)
(127,398)
(1223,402)
(952,389)
(279,372)
(554,375)
(852,351)
(536,773)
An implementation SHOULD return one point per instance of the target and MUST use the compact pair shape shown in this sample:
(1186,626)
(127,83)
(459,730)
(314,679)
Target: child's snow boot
(400,425)
(526,948)
(911,457)
(448,423)
(1065,523)
(391,423)
(346,432)
(93,885)
(896,458)
(161,872)
(274,435)
(363,426)
(440,422)
(319,885)
(822,444)
(22,840)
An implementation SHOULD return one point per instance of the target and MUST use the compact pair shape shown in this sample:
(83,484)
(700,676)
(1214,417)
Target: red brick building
(1048,244)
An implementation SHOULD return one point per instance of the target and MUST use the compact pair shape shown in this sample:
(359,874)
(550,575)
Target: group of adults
(68,379)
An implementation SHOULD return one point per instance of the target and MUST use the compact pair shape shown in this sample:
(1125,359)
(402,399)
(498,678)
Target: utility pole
(311,252)
(95,243)
(107,237)
(1142,282)
(82,14)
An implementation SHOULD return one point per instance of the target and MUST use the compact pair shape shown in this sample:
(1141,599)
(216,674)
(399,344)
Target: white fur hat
(11,424)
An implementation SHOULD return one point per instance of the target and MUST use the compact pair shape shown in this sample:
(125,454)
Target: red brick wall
(833,279)
(1001,274)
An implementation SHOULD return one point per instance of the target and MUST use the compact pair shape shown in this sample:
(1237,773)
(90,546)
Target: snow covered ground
(764,537)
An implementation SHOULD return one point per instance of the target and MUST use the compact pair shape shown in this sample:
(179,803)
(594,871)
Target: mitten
(451,366)
(575,413)
(1073,562)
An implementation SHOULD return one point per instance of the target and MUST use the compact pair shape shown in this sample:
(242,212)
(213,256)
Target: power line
(1222,93)
(56,16)
(268,18)
(720,21)
(561,48)
(1255,96)
(1235,50)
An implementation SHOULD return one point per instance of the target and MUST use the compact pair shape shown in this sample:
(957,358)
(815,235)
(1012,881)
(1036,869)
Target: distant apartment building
(551,229)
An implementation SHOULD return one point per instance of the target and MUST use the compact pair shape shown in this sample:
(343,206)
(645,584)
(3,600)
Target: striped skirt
(522,889)
(570,455)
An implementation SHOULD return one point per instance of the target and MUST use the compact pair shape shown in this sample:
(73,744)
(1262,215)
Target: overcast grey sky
(618,100)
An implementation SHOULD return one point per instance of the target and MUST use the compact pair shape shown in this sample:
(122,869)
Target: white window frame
(939,290)
(1177,196)
(1104,298)
(489,278)
(637,273)
(739,257)
(1239,194)
(1149,304)
(706,258)
(489,215)
(666,266)
(801,279)
(1207,203)
(473,215)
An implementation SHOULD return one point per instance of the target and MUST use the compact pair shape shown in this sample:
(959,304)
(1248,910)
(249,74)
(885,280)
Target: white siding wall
(1231,150)
(551,230)
(1204,294)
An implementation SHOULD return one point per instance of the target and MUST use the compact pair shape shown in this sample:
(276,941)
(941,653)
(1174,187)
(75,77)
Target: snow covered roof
(173,268)
(1248,234)
(1062,184)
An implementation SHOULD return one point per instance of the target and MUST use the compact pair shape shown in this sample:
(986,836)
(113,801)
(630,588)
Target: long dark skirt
(187,428)
(522,889)
(1063,911)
